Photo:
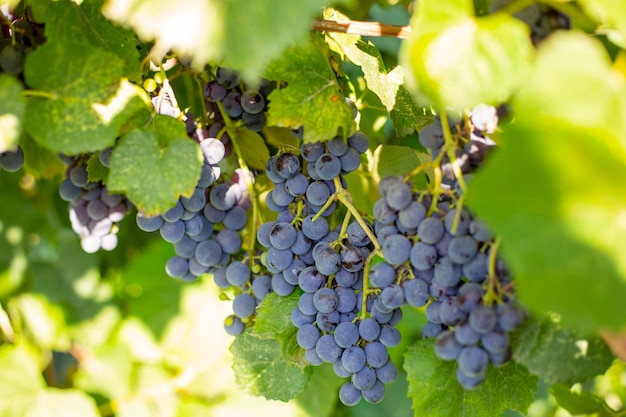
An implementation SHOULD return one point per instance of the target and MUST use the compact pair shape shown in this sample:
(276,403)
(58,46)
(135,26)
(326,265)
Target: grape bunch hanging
(94,212)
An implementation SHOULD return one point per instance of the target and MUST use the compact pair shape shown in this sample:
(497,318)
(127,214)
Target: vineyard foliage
(202,199)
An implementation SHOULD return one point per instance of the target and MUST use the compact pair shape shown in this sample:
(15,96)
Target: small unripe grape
(149,85)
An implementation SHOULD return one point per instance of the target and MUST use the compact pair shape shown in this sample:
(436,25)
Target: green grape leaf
(39,161)
(401,160)
(454,59)
(612,13)
(264,29)
(253,149)
(273,321)
(54,402)
(580,403)
(41,320)
(12,107)
(95,170)
(166,128)
(559,355)
(561,221)
(273,317)
(261,369)
(154,177)
(107,373)
(68,21)
(279,136)
(406,115)
(20,380)
(85,101)
(434,389)
(311,98)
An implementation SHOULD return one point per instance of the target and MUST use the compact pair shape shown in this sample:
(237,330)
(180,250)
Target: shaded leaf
(401,160)
(559,355)
(319,398)
(435,391)
(39,161)
(580,403)
(253,149)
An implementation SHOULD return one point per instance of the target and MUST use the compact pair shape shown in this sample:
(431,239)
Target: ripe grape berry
(12,160)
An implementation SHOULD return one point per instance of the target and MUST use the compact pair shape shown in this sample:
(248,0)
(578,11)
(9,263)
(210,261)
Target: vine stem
(417,170)
(355,27)
(327,204)
(345,224)
(366,273)
(437,174)
(447,134)
(203,103)
(457,214)
(346,199)
(242,164)
(491,295)
(39,93)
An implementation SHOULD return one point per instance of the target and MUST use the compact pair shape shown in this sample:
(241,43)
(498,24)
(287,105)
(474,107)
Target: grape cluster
(12,161)
(438,255)
(445,262)
(326,264)
(238,101)
(21,37)
(94,212)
